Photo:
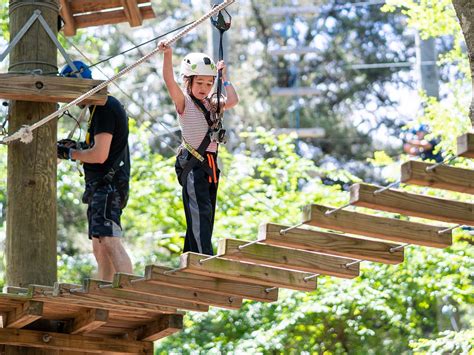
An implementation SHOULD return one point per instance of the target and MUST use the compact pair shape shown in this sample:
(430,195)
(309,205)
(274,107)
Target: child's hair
(188,83)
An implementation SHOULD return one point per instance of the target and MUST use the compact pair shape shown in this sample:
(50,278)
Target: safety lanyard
(89,123)
(222,22)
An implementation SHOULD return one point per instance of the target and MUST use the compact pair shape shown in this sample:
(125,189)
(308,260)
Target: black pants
(199,199)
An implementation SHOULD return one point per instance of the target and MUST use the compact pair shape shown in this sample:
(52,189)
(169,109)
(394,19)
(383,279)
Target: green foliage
(4,32)
(447,117)
(432,18)
(448,342)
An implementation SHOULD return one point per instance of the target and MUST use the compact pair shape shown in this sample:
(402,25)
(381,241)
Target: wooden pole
(465,11)
(31,182)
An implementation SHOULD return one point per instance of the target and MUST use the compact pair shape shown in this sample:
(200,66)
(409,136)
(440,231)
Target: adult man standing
(106,160)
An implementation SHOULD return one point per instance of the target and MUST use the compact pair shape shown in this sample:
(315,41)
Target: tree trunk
(31,182)
(465,12)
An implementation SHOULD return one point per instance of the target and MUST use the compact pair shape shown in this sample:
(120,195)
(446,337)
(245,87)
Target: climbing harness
(25,134)
(222,22)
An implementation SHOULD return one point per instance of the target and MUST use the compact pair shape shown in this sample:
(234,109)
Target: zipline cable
(141,44)
(25,134)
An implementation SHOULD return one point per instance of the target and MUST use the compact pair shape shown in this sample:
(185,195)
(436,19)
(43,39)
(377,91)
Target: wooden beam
(132,12)
(162,327)
(58,341)
(82,299)
(109,17)
(412,204)
(39,88)
(377,227)
(330,243)
(25,314)
(96,289)
(132,283)
(81,6)
(69,28)
(466,145)
(160,275)
(89,320)
(442,177)
(15,290)
(287,258)
(246,272)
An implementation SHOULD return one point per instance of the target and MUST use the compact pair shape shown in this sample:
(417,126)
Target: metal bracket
(37,16)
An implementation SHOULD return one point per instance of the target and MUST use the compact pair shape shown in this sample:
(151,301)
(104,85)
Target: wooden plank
(96,289)
(377,227)
(15,290)
(412,204)
(164,326)
(81,299)
(442,177)
(81,6)
(132,12)
(466,145)
(330,243)
(25,314)
(138,284)
(110,17)
(287,258)
(39,88)
(160,275)
(57,341)
(89,320)
(246,272)
(69,28)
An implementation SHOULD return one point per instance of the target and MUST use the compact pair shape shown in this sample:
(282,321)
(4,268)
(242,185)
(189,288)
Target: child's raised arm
(174,90)
(232,96)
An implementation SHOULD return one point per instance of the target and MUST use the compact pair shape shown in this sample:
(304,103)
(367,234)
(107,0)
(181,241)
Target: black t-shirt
(429,155)
(110,118)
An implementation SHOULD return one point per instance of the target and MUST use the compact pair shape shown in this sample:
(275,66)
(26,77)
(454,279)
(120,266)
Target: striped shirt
(193,124)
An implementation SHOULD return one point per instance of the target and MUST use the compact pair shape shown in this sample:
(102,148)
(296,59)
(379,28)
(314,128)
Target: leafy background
(421,306)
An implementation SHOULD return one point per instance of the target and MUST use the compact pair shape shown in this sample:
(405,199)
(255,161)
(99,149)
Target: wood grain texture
(25,314)
(80,298)
(385,228)
(40,88)
(465,145)
(442,177)
(114,295)
(287,258)
(57,341)
(66,13)
(165,326)
(81,6)
(135,284)
(330,243)
(412,204)
(132,12)
(160,275)
(110,17)
(89,320)
(246,272)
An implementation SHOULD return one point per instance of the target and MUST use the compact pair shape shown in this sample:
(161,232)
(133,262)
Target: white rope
(25,134)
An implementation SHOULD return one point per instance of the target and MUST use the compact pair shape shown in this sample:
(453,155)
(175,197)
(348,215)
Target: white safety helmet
(198,64)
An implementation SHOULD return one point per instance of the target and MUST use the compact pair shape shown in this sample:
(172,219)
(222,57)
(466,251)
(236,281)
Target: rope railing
(25,134)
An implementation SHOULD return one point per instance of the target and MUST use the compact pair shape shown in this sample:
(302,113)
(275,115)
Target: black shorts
(104,210)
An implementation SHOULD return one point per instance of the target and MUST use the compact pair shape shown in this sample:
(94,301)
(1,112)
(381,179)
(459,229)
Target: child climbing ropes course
(199,120)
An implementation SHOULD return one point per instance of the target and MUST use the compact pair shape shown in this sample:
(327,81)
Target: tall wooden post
(31,183)
(465,12)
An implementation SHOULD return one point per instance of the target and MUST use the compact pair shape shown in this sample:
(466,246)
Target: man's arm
(98,154)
